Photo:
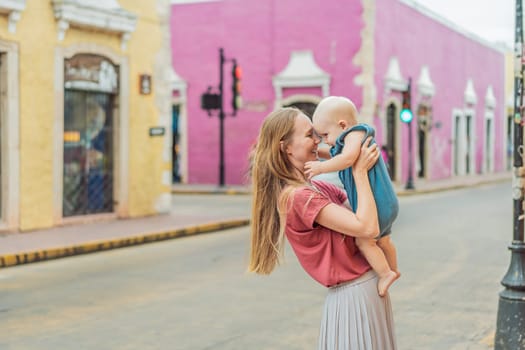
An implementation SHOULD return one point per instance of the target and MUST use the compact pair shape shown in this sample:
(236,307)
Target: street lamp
(510,329)
(406,117)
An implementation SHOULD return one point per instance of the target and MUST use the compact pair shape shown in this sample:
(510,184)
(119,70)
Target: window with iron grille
(88,176)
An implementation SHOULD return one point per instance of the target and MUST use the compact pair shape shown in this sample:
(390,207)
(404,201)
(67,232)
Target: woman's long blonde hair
(271,172)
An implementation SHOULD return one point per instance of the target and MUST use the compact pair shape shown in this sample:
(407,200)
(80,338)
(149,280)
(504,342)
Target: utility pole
(407,116)
(510,329)
(215,101)
(221,118)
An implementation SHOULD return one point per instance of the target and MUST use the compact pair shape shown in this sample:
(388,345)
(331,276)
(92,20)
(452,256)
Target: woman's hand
(368,156)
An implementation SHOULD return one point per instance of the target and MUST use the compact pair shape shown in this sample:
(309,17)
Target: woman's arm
(364,223)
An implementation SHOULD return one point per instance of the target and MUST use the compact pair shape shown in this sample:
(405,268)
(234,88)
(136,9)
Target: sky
(492,20)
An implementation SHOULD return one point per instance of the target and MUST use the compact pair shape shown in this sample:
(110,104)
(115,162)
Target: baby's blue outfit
(382,189)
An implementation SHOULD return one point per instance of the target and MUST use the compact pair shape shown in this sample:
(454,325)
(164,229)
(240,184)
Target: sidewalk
(424,186)
(215,208)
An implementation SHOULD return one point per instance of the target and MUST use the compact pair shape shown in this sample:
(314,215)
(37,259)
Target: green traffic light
(406,115)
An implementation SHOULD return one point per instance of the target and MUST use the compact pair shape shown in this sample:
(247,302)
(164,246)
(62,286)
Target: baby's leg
(376,258)
(389,249)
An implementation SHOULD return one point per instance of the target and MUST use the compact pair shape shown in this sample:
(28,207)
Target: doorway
(509,149)
(391,140)
(175,145)
(457,126)
(463,150)
(88,153)
(90,90)
(469,154)
(489,146)
(424,121)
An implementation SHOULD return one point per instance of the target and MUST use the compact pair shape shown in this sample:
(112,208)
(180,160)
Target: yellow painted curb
(97,246)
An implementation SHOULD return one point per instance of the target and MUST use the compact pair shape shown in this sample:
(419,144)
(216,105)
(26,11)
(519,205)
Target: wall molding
(113,19)
(393,78)
(13,9)
(301,71)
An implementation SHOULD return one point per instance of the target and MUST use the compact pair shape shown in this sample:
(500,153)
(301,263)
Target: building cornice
(453,26)
(425,85)
(470,93)
(110,19)
(13,9)
(394,79)
(490,99)
(301,71)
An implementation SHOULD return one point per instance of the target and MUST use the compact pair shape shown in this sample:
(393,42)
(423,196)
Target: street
(194,293)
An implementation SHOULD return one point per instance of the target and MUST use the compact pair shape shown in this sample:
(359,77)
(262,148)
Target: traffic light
(210,100)
(406,111)
(236,86)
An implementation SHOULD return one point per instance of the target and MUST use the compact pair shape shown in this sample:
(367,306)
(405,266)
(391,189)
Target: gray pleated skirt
(355,317)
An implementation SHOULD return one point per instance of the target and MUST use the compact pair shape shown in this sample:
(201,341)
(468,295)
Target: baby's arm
(324,152)
(343,160)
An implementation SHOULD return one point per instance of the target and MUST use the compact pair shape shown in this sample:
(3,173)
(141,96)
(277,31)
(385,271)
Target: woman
(320,227)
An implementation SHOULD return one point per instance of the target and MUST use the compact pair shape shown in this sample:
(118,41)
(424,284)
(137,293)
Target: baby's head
(333,115)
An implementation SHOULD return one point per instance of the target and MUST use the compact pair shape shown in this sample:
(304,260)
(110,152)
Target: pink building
(295,52)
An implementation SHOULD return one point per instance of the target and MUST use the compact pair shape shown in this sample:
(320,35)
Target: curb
(399,192)
(451,187)
(28,257)
(102,245)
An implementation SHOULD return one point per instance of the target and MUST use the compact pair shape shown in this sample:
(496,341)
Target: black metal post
(221,118)
(410,180)
(510,329)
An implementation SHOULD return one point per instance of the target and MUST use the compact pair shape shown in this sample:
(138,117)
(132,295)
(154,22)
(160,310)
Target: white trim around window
(10,147)
(121,132)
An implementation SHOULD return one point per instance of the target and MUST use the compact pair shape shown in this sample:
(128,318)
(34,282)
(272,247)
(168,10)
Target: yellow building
(509,107)
(84,105)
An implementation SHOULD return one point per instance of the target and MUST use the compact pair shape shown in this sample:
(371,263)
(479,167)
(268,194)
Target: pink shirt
(329,257)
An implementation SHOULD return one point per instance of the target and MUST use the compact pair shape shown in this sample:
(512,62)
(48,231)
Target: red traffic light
(237,72)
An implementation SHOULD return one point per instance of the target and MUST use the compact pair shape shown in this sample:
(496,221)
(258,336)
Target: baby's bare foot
(385,281)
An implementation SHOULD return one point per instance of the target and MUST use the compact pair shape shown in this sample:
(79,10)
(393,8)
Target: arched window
(307,108)
(90,89)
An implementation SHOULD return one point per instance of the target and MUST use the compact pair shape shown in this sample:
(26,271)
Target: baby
(335,120)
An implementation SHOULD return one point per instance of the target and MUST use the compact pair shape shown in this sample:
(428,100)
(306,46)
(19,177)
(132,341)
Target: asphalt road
(193,293)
